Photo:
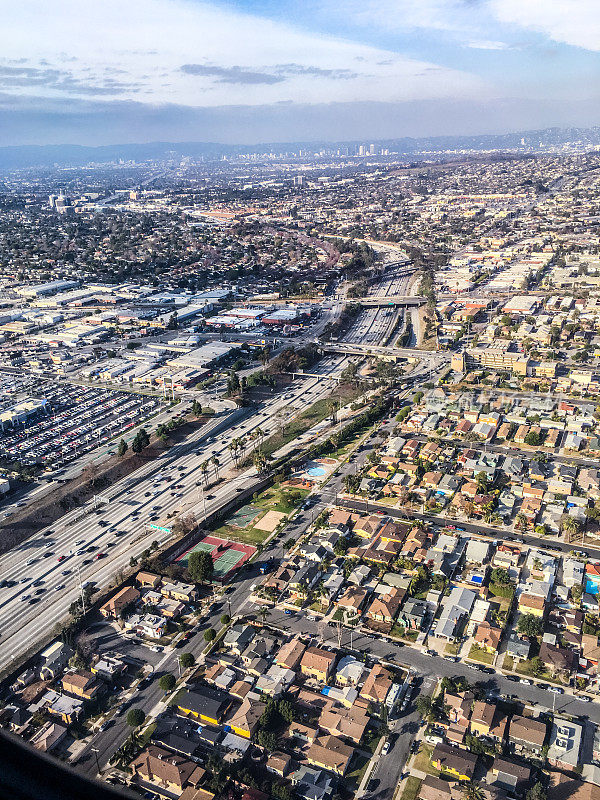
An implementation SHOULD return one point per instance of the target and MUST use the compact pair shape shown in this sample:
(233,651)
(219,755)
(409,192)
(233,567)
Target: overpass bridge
(396,300)
(379,351)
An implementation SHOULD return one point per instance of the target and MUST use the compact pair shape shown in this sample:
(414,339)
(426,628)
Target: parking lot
(76,420)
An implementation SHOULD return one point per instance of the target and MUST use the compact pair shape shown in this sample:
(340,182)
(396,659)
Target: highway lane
(22,624)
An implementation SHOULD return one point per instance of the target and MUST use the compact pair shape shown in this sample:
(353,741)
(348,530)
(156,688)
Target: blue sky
(81,71)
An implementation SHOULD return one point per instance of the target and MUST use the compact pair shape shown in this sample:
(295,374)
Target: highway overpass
(396,300)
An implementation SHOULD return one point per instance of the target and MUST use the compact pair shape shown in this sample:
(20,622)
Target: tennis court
(227,562)
(227,556)
(243,517)
(196,548)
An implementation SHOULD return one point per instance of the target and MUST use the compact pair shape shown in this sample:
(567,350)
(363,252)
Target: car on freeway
(61,558)
(59,587)
(98,556)
(66,572)
(34,600)
(25,597)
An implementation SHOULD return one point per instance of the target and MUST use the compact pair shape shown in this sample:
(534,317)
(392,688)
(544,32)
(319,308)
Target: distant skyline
(247,71)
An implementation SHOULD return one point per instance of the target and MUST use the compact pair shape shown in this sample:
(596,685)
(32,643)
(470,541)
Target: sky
(246,71)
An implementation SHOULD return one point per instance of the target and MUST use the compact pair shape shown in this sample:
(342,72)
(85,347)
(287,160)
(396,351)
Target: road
(167,486)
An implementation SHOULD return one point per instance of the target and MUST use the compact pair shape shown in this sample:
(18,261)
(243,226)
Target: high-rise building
(371,149)
(52,200)
(362,150)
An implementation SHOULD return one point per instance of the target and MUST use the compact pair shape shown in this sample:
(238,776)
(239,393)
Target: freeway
(161,488)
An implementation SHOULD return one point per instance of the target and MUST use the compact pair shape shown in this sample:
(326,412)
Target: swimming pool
(592,585)
(316,472)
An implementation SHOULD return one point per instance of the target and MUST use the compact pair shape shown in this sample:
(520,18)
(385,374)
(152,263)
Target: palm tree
(233,450)
(472,791)
(204,469)
(215,462)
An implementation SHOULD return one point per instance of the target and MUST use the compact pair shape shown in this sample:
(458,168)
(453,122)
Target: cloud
(58,80)
(487,45)
(573,22)
(213,55)
(231,74)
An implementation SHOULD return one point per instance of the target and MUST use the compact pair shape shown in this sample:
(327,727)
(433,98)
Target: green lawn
(357,769)
(479,654)
(452,649)
(411,788)
(313,415)
(422,760)
(275,498)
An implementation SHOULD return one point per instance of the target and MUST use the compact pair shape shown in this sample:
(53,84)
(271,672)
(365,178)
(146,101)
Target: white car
(385,749)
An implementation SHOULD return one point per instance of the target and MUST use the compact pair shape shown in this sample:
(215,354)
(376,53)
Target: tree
(474,744)
(122,448)
(472,790)
(268,740)
(135,717)
(287,710)
(500,575)
(167,682)
(537,666)
(140,441)
(424,706)
(537,792)
(225,619)
(200,566)
(577,592)
(530,625)
(209,635)
(187,660)
(196,408)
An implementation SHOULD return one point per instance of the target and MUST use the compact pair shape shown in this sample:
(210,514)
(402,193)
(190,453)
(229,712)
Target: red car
(61,558)
(98,556)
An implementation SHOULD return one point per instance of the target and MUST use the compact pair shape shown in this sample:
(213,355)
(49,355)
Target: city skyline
(247,71)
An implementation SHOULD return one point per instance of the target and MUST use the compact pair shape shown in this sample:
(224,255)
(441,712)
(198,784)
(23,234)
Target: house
(566,787)
(238,637)
(510,777)
(455,608)
(331,754)
(453,761)
(559,661)
(488,636)
(482,717)
(317,663)
(49,736)
(377,685)
(564,745)
(82,684)
(290,654)
(352,599)
(114,607)
(246,719)
(279,763)
(526,735)
(531,604)
(166,769)
(148,579)
(54,660)
(518,648)
(311,784)
(66,709)
(344,723)
(184,592)
(433,788)
(349,671)
(204,703)
(108,667)
(385,607)
(414,614)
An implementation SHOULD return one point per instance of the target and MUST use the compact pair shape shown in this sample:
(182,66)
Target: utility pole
(95,751)
(81,588)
